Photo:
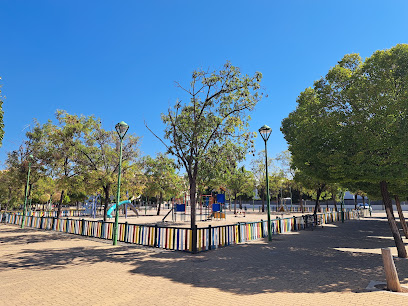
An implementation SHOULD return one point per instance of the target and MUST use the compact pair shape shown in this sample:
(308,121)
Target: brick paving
(329,266)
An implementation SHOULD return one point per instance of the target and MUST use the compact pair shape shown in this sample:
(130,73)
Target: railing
(174,238)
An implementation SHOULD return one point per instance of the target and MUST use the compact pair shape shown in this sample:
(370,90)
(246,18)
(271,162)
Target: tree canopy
(214,117)
(351,127)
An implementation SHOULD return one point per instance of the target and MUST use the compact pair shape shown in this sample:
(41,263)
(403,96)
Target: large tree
(215,115)
(56,146)
(355,123)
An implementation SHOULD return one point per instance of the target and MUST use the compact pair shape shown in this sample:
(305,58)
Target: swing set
(213,206)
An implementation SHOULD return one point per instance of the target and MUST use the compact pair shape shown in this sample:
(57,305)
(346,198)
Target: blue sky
(118,60)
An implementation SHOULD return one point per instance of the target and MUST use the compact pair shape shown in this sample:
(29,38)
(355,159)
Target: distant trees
(161,178)
(77,155)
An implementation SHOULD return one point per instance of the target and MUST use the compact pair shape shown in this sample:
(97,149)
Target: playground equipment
(283,207)
(90,205)
(213,205)
(179,208)
(112,208)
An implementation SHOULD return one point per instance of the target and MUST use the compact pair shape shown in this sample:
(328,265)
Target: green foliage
(351,127)
(161,177)
(240,182)
(214,118)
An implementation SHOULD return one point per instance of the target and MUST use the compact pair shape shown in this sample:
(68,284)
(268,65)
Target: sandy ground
(183,220)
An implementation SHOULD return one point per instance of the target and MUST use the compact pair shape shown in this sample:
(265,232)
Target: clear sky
(118,60)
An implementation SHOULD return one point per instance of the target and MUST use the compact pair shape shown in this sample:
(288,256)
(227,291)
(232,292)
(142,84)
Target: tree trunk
(9,198)
(355,201)
(235,203)
(401,216)
(402,252)
(317,206)
(301,202)
(263,200)
(193,190)
(240,202)
(160,202)
(334,201)
(60,204)
(105,209)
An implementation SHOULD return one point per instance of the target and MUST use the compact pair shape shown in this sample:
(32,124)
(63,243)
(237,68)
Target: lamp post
(30,158)
(121,129)
(265,132)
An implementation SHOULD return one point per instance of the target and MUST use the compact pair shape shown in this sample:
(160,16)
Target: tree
(17,168)
(10,189)
(239,183)
(355,120)
(162,178)
(216,115)
(99,157)
(56,145)
(258,170)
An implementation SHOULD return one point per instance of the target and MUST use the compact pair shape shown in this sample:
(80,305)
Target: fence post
(209,237)
(294,223)
(126,231)
(103,229)
(391,274)
(41,222)
(155,235)
(262,229)
(83,227)
(239,231)
(194,240)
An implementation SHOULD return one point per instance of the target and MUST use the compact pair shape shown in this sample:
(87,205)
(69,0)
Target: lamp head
(265,132)
(121,129)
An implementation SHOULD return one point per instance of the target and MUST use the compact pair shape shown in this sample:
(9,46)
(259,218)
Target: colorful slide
(110,211)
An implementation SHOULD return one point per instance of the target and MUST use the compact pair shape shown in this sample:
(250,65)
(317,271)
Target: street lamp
(265,132)
(30,158)
(121,129)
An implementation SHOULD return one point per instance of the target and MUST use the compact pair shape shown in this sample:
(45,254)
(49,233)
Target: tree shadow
(305,262)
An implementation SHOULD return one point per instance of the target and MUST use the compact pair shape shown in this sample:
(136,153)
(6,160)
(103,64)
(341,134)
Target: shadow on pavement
(304,262)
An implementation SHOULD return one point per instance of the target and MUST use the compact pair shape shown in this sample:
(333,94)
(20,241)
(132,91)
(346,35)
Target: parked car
(363,206)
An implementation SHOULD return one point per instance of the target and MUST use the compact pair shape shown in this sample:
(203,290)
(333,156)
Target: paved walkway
(329,266)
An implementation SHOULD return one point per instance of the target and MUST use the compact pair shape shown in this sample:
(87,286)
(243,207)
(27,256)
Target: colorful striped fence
(64,213)
(174,238)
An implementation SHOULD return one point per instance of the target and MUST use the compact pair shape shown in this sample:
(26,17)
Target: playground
(333,265)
